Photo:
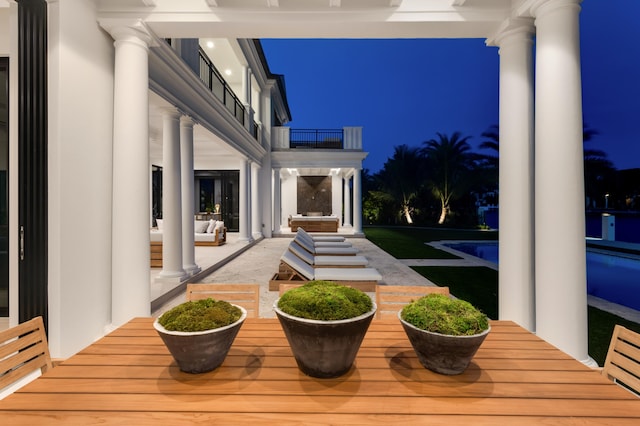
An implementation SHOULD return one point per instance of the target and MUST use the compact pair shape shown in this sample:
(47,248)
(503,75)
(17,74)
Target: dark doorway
(219,188)
(4,187)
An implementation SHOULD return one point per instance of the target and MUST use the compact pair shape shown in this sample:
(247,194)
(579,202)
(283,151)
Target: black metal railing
(212,78)
(316,138)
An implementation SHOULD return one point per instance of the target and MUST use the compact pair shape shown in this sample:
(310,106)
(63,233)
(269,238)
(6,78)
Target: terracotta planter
(324,349)
(442,353)
(202,351)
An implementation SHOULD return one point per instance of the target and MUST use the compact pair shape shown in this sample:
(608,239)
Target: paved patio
(259,262)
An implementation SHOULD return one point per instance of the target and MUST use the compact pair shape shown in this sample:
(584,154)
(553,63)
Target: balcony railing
(316,138)
(212,78)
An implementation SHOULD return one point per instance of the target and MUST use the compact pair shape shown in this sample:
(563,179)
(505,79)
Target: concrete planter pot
(443,353)
(324,349)
(201,351)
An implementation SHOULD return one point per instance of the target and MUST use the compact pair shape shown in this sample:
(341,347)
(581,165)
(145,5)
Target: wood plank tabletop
(129,377)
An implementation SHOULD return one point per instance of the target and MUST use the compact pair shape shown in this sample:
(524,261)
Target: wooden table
(129,378)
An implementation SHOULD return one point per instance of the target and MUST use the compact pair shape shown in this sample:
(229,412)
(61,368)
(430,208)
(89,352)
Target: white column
(130,275)
(516,278)
(244,231)
(172,270)
(560,272)
(346,203)
(357,202)
(246,85)
(277,204)
(256,222)
(188,201)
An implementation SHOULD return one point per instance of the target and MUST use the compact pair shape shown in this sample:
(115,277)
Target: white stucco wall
(81,61)
(336,197)
(4,31)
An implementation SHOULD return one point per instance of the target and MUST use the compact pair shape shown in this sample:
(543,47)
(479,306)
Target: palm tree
(401,177)
(598,169)
(449,163)
(493,139)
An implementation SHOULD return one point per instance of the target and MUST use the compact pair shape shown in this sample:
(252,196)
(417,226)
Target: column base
(171,277)
(245,240)
(590,362)
(191,270)
(257,235)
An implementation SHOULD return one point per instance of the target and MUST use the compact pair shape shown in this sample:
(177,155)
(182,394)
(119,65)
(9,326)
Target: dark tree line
(444,182)
(438,182)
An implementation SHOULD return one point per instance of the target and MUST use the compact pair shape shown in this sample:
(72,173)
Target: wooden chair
(245,295)
(622,364)
(23,351)
(391,298)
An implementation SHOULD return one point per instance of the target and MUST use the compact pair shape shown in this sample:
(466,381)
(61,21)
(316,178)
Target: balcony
(214,81)
(347,138)
(316,138)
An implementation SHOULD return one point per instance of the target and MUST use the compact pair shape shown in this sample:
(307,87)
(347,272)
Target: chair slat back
(23,349)
(392,298)
(245,295)
(622,364)
(283,288)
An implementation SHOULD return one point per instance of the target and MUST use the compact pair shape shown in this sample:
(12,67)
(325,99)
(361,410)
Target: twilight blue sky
(404,91)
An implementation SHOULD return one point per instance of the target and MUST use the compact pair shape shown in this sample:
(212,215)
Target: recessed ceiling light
(210,45)
(227,71)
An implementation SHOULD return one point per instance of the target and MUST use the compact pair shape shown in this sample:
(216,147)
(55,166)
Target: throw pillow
(200,226)
(212,224)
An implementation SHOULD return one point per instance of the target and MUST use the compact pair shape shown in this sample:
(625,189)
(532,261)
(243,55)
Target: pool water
(613,278)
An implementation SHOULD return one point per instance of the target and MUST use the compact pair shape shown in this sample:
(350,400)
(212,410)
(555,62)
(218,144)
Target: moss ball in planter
(200,315)
(438,313)
(325,301)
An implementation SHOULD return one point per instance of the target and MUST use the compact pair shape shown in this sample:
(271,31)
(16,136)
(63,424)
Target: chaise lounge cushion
(328,251)
(319,238)
(324,261)
(329,274)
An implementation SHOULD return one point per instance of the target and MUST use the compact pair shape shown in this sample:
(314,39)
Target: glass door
(4,187)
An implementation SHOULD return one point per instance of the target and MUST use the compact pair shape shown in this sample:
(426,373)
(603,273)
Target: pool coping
(467,260)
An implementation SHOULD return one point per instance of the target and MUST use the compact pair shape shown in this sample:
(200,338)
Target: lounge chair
(307,237)
(323,261)
(364,279)
(316,250)
(320,238)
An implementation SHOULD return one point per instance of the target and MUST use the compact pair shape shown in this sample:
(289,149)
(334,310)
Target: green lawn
(409,243)
(477,285)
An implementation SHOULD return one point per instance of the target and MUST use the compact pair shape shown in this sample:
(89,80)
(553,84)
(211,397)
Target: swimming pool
(613,278)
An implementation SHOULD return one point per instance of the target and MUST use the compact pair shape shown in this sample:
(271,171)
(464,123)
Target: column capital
(187,121)
(512,29)
(541,7)
(170,112)
(128,31)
